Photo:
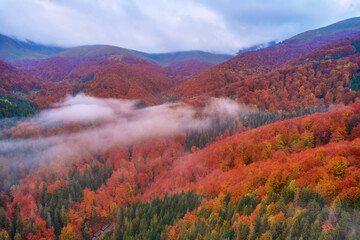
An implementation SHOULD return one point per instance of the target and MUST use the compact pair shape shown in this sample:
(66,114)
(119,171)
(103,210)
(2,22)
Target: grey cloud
(160,26)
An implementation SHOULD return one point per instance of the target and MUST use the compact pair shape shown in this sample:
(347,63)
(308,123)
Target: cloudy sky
(223,26)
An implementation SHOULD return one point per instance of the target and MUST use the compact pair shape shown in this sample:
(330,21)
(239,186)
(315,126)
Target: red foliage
(282,77)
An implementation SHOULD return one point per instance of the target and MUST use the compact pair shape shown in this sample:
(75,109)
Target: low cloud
(107,122)
(224,106)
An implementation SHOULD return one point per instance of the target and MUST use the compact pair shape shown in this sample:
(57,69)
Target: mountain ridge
(12,49)
(167,59)
(351,25)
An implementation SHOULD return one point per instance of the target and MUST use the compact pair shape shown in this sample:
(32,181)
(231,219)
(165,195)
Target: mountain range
(99,70)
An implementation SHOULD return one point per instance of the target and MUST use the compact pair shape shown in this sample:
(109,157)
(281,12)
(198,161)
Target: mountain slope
(12,49)
(14,80)
(326,76)
(283,173)
(242,69)
(20,84)
(274,181)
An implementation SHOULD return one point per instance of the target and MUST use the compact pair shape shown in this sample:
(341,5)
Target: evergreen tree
(243,231)
(63,216)
(4,222)
(117,233)
(17,236)
(85,232)
(19,224)
(48,220)
(94,215)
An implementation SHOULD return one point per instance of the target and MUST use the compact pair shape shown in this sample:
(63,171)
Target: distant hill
(183,65)
(109,71)
(103,71)
(81,68)
(12,49)
(56,67)
(99,50)
(167,59)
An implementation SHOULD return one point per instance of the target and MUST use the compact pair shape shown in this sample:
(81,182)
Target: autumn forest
(102,142)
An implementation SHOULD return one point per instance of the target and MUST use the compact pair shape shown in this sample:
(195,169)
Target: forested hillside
(251,76)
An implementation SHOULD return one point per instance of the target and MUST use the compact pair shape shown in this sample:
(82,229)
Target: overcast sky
(222,26)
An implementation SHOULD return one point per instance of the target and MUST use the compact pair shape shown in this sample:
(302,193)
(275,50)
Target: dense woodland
(303,170)
(15,107)
(286,167)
